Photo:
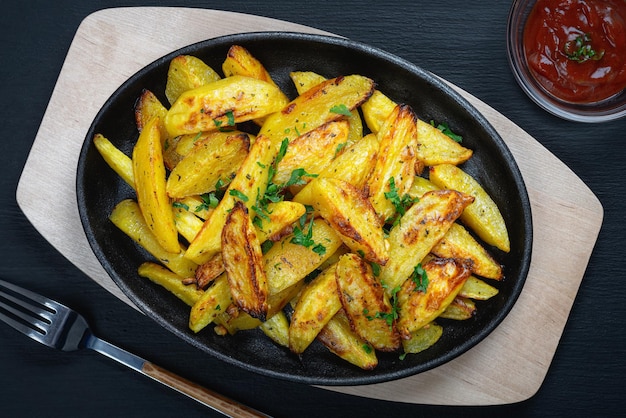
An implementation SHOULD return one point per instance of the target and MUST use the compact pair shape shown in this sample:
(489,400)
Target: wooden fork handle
(205,396)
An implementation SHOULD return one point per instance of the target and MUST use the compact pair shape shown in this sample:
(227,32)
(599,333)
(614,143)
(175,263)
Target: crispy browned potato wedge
(209,271)
(239,61)
(418,308)
(211,159)
(366,305)
(312,151)
(348,211)
(171,281)
(474,288)
(396,160)
(459,243)
(215,299)
(187,72)
(423,338)
(317,106)
(116,159)
(149,175)
(482,216)
(243,262)
(460,309)
(305,80)
(222,104)
(288,262)
(341,340)
(147,107)
(423,225)
(248,185)
(317,304)
(128,218)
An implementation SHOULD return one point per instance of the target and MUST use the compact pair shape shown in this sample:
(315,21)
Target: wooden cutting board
(508,366)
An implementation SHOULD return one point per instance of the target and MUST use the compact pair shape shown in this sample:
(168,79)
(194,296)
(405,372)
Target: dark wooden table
(463,42)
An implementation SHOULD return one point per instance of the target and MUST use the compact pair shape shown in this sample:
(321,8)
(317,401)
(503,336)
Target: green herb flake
(580,49)
(180,205)
(239,195)
(420,278)
(341,109)
(401,203)
(443,127)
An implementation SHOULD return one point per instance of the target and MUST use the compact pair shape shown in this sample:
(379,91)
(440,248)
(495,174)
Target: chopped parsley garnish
(401,203)
(420,278)
(230,122)
(180,205)
(340,148)
(306,238)
(443,127)
(238,195)
(296,178)
(580,49)
(341,109)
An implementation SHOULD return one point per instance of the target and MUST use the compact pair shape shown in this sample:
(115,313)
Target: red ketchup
(576,49)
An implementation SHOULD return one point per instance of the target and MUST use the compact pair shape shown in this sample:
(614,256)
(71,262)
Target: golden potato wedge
(298,254)
(422,226)
(149,175)
(418,308)
(366,304)
(312,151)
(339,338)
(423,338)
(116,159)
(306,80)
(434,147)
(128,218)
(476,289)
(248,185)
(277,329)
(347,210)
(317,106)
(395,165)
(243,262)
(198,205)
(459,243)
(211,159)
(239,61)
(222,104)
(187,72)
(171,281)
(277,220)
(215,299)
(147,107)
(483,216)
(420,186)
(317,304)
(460,309)
(187,224)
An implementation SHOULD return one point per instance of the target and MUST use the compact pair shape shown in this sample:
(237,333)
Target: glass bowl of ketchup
(569,56)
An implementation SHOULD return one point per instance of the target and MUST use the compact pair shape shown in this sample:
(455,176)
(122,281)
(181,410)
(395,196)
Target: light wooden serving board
(508,366)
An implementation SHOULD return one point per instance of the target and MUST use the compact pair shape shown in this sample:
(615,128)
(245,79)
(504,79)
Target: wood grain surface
(112,44)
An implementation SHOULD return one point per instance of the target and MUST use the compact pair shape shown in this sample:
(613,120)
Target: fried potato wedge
(423,338)
(418,231)
(306,80)
(187,72)
(434,147)
(213,302)
(209,271)
(395,164)
(171,281)
(420,186)
(418,308)
(147,107)
(341,340)
(460,309)
(211,159)
(477,289)
(243,262)
(277,219)
(316,305)
(198,205)
(317,106)
(350,214)
(149,174)
(483,216)
(115,158)
(277,329)
(127,216)
(366,305)
(459,243)
(312,151)
(239,61)
(248,185)
(288,262)
(187,224)
(222,104)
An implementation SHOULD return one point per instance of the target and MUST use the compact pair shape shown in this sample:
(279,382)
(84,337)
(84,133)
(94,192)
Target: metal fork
(60,327)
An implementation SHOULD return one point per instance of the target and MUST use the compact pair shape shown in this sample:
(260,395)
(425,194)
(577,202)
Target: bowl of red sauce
(569,56)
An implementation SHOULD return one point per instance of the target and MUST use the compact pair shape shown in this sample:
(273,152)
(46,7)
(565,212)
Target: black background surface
(463,42)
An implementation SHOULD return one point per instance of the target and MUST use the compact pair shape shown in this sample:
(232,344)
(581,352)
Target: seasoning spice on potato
(306,208)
